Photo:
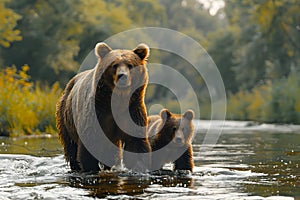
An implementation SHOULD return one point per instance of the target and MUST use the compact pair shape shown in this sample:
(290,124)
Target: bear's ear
(189,115)
(102,49)
(165,114)
(142,50)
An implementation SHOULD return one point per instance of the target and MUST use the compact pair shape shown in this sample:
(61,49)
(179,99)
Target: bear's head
(177,128)
(123,69)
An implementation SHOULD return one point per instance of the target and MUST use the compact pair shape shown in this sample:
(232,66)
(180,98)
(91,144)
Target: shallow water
(248,162)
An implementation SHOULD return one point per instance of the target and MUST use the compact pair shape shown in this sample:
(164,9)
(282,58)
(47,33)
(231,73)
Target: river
(249,161)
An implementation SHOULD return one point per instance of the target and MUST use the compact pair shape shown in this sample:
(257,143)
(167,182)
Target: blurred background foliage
(255,45)
(26,107)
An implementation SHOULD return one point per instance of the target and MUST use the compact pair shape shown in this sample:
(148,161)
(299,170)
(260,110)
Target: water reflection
(115,183)
(41,145)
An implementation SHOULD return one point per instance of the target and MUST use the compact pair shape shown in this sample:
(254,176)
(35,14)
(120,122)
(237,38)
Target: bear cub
(173,133)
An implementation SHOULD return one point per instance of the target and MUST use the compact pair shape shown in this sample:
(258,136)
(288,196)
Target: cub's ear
(189,114)
(102,49)
(142,50)
(165,114)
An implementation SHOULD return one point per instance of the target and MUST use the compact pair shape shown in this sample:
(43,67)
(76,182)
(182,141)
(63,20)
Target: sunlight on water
(260,165)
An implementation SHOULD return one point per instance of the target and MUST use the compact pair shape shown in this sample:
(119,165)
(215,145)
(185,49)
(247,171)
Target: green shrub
(275,102)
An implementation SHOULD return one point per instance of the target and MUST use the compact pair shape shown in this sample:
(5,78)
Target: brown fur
(176,131)
(102,81)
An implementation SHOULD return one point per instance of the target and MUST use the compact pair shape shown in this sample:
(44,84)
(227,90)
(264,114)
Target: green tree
(56,34)
(99,20)
(198,23)
(191,18)
(145,12)
(266,44)
(8,23)
(50,42)
(222,50)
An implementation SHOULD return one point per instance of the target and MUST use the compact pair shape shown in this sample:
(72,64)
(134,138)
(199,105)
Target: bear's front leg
(87,162)
(185,161)
(136,154)
(113,156)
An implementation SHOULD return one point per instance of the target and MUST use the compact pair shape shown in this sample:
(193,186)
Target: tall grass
(275,102)
(26,107)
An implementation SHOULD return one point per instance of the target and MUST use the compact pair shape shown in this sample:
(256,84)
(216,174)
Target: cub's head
(178,128)
(123,69)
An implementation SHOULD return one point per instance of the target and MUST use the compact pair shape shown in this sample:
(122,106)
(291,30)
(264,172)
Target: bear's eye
(130,66)
(115,66)
(174,129)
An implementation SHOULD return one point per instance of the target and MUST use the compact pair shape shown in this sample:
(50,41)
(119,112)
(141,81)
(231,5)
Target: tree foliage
(266,60)
(276,101)
(8,23)
(266,46)
(253,43)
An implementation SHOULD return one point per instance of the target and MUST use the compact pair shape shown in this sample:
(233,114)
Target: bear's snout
(122,79)
(122,76)
(179,138)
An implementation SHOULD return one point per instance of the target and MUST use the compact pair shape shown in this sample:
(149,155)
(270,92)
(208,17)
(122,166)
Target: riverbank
(230,126)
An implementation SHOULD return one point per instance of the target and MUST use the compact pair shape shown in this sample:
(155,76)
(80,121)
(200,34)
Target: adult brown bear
(113,93)
(173,134)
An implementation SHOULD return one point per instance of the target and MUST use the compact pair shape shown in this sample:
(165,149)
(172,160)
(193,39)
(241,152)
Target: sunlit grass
(26,107)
